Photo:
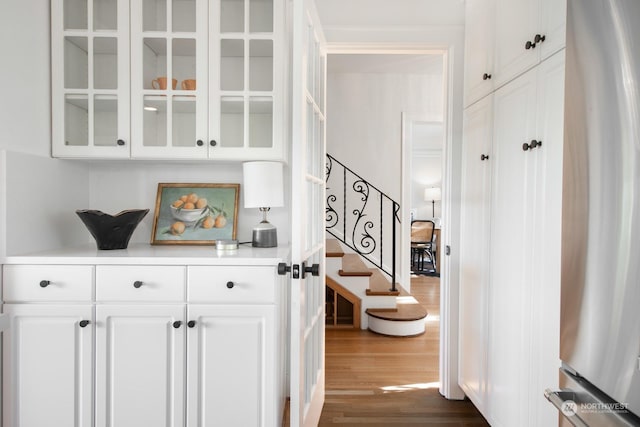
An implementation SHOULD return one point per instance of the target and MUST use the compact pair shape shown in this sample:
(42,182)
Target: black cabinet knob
(539,38)
(177,324)
(137,284)
(533,144)
(199,143)
(44,283)
(213,143)
(484,157)
(230,285)
(120,142)
(486,76)
(191,323)
(84,323)
(530,45)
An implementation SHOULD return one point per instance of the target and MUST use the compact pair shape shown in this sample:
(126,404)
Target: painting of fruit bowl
(187,215)
(195,214)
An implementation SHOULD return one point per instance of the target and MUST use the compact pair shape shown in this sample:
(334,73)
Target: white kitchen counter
(139,254)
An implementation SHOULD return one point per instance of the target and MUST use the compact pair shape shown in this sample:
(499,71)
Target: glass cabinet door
(169,78)
(246,119)
(90,78)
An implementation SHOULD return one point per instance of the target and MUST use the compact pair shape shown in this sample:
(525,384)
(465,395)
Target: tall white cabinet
(510,249)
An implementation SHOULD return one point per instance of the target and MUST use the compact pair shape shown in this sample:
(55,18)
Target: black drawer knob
(177,324)
(191,323)
(137,284)
(213,143)
(530,45)
(230,285)
(120,142)
(44,283)
(84,323)
(199,143)
(539,38)
(486,76)
(484,157)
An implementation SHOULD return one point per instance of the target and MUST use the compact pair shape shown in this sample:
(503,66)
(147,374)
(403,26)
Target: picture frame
(195,214)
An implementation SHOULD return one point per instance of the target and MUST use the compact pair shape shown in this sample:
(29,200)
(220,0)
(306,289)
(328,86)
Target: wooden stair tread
(380,285)
(333,248)
(403,312)
(352,265)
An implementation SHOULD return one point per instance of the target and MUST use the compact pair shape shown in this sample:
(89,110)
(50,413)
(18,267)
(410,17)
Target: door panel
(509,331)
(47,363)
(140,365)
(230,349)
(307,201)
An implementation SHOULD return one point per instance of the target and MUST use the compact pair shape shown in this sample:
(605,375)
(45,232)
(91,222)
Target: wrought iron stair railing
(362,217)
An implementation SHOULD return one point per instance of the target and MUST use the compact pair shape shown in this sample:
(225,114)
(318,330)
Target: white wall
(364,118)
(25,111)
(134,185)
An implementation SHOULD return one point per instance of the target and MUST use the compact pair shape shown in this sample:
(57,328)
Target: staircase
(374,303)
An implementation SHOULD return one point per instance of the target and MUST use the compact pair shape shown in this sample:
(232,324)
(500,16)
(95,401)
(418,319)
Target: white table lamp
(263,189)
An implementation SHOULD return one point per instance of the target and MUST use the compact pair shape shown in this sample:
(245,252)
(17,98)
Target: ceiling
(386,13)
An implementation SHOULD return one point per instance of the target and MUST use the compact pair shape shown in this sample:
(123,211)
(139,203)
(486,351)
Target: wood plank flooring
(383,381)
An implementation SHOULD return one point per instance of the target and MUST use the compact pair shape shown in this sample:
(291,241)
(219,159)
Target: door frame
(449,285)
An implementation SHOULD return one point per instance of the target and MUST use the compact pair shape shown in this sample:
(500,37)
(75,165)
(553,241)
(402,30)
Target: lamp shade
(432,194)
(262,184)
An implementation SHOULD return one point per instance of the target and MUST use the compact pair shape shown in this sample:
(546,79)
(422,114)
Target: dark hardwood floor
(388,381)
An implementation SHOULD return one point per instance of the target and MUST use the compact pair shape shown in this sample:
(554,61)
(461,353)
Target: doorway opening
(385,109)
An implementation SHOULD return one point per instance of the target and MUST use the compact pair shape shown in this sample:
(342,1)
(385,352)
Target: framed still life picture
(195,214)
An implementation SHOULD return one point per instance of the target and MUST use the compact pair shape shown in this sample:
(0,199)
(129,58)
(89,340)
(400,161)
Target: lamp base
(264,236)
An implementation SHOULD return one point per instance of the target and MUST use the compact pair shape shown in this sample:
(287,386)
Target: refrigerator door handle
(563,401)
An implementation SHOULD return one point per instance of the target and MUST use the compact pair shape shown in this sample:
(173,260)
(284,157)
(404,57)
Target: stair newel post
(393,247)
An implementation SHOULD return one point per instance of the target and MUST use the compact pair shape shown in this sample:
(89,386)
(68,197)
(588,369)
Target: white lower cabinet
(48,365)
(174,346)
(140,366)
(230,366)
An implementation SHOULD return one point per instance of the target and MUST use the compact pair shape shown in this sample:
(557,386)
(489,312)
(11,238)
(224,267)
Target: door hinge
(283,269)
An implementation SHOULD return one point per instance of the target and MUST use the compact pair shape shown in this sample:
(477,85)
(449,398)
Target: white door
(307,201)
(228,349)
(140,365)
(474,250)
(47,365)
(511,236)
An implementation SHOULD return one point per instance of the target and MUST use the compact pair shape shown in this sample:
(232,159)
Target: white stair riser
(396,328)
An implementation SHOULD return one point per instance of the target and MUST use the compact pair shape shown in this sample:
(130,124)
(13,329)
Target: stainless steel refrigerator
(600,314)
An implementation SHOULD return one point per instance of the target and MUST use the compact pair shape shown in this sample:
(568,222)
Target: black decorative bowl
(112,231)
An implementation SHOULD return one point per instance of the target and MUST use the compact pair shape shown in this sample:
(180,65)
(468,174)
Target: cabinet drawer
(239,284)
(42,283)
(140,283)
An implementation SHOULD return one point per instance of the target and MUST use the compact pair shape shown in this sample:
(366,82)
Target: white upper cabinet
(526,32)
(90,78)
(205,81)
(169,82)
(505,38)
(478,46)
